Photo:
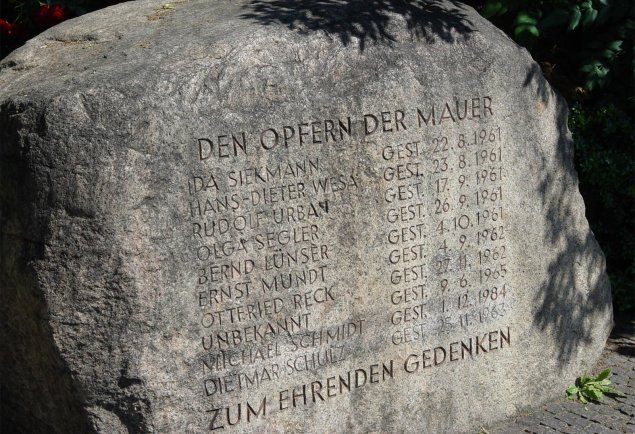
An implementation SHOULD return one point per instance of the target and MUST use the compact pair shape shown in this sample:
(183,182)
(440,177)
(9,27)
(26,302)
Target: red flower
(5,28)
(56,13)
(48,16)
(11,30)
(40,16)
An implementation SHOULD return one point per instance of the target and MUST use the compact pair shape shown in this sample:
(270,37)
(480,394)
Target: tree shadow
(626,349)
(536,79)
(365,20)
(623,336)
(574,302)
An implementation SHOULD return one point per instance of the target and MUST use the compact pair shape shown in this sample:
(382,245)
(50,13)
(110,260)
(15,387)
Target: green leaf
(608,54)
(526,34)
(602,71)
(491,8)
(617,47)
(554,18)
(574,18)
(572,390)
(591,70)
(586,68)
(604,374)
(593,386)
(595,395)
(589,17)
(526,29)
(586,4)
(525,18)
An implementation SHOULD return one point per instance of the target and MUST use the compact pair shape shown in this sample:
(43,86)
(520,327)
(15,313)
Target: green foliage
(586,51)
(603,135)
(582,37)
(592,389)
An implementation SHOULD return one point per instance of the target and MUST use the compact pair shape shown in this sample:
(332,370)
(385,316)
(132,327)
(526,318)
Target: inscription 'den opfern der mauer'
(263,263)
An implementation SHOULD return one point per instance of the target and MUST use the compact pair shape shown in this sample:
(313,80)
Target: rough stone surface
(287,216)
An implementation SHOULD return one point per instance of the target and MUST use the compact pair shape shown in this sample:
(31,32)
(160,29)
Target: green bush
(604,135)
(581,44)
(586,51)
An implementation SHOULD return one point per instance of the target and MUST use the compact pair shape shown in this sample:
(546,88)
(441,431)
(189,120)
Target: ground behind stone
(613,415)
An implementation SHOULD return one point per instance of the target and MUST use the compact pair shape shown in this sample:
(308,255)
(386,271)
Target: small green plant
(592,389)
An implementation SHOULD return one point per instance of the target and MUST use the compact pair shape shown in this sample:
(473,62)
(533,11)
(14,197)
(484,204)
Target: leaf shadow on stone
(535,78)
(365,20)
(563,309)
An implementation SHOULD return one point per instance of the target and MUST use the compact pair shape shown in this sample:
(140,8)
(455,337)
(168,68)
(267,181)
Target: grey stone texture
(287,216)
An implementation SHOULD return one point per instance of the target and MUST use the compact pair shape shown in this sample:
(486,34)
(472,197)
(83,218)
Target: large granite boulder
(287,216)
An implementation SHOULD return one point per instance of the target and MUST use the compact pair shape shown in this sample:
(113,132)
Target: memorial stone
(287,216)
